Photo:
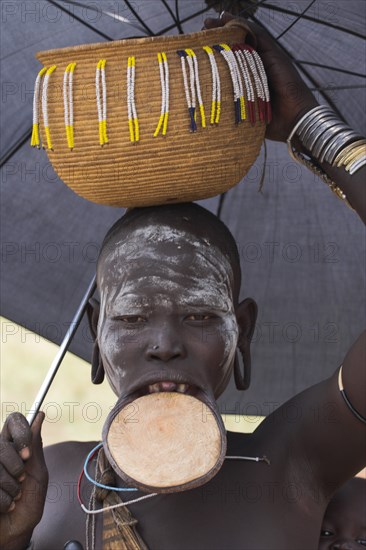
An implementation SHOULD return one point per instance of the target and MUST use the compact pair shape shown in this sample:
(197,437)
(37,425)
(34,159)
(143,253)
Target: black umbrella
(300,246)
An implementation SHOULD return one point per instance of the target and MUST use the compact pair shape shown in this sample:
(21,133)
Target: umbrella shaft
(61,353)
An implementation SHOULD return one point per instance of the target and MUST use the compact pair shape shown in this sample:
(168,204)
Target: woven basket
(180,166)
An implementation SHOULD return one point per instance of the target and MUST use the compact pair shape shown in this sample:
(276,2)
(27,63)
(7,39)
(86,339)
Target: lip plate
(194,483)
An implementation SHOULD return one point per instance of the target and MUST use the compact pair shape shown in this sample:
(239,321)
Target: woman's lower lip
(167,386)
(204,395)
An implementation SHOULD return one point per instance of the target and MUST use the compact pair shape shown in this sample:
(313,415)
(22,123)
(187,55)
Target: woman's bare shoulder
(67,454)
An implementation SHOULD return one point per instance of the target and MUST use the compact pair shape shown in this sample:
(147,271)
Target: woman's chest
(236,510)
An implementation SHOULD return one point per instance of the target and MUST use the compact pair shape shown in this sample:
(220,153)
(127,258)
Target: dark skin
(313,441)
(344,523)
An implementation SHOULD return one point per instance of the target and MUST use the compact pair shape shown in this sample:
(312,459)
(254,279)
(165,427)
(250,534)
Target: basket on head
(154,120)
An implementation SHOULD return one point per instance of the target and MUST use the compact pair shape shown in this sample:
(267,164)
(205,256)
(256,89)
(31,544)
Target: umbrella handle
(61,353)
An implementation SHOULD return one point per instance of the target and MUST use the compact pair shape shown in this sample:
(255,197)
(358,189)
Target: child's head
(344,523)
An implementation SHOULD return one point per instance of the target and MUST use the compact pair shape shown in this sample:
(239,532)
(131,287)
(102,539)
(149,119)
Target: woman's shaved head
(187,218)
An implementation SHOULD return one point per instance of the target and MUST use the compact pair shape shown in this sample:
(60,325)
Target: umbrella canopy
(301,248)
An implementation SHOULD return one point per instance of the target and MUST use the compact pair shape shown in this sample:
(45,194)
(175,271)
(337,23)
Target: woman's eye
(131,319)
(361,541)
(326,533)
(198,317)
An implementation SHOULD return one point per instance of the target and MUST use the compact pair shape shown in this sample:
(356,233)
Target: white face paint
(164,269)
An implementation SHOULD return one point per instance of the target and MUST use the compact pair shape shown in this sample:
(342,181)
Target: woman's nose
(165,345)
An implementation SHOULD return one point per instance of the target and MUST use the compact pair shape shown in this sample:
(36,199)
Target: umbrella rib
(221,204)
(104,12)
(30,44)
(344,71)
(175,19)
(296,20)
(139,19)
(14,148)
(256,5)
(177,11)
(77,18)
(63,348)
(200,12)
(170,27)
(306,73)
(349,87)
(313,19)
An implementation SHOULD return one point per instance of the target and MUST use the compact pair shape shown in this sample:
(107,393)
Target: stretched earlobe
(242,373)
(92,311)
(97,370)
(246,315)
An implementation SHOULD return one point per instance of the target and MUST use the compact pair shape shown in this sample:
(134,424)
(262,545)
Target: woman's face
(167,320)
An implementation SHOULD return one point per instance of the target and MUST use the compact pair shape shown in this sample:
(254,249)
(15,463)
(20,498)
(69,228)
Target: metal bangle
(309,127)
(338,141)
(312,117)
(313,131)
(333,136)
(326,136)
(304,127)
(357,165)
(344,152)
(353,159)
(317,130)
(338,144)
(349,142)
(314,136)
(302,119)
(354,154)
(318,135)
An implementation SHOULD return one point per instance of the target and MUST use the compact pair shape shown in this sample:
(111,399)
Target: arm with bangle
(317,138)
(334,152)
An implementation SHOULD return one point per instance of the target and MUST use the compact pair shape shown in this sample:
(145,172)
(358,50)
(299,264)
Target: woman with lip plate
(156,309)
